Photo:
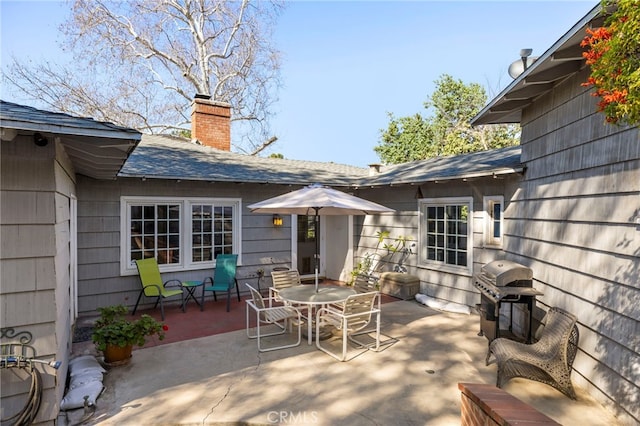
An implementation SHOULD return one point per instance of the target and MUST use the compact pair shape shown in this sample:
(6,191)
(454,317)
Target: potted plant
(115,335)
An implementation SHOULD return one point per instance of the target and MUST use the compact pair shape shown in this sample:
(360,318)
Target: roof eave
(117,133)
(542,78)
(95,149)
(467,176)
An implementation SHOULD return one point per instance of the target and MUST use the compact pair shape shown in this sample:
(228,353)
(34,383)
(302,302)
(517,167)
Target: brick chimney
(211,122)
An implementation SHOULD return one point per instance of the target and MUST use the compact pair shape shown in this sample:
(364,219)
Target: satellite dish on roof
(519,66)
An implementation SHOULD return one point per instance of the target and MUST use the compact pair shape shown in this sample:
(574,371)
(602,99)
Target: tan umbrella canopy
(318,200)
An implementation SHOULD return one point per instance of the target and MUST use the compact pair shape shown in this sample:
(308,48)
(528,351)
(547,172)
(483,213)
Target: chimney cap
(374,169)
(202,96)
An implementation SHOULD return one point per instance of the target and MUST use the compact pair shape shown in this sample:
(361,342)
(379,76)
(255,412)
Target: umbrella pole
(316,217)
(316,279)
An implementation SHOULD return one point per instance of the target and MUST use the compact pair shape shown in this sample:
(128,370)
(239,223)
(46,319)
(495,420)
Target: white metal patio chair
(279,316)
(364,283)
(357,314)
(280,280)
(283,279)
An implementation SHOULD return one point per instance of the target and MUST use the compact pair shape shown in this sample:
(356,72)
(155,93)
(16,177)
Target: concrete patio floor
(223,379)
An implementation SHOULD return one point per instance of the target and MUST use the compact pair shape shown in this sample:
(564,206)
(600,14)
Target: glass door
(307,235)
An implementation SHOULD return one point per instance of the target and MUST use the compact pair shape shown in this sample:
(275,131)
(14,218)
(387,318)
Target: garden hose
(28,413)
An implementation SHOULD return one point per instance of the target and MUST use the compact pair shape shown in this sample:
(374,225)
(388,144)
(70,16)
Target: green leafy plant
(113,328)
(370,260)
(613,53)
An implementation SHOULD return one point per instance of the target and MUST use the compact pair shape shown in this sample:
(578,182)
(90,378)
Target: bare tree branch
(138,63)
(264,145)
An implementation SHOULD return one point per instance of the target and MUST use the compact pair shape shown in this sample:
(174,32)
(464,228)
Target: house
(90,191)
(42,154)
(565,203)
(575,217)
(210,188)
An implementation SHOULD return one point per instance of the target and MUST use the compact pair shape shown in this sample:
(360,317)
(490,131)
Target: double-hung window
(445,232)
(181,233)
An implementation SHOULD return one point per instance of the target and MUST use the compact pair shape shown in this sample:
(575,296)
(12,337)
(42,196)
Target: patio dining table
(307,295)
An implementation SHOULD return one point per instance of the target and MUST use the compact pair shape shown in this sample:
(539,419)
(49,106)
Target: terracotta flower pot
(117,354)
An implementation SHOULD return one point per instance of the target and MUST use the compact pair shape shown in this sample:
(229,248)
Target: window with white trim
(181,233)
(445,232)
(155,232)
(493,207)
(211,231)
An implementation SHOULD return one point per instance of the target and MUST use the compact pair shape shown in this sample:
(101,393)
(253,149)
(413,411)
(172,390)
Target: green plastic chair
(152,285)
(224,278)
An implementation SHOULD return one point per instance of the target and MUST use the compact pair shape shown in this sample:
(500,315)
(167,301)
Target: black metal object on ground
(504,282)
(82,334)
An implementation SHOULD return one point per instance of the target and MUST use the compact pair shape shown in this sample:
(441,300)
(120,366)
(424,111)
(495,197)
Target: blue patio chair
(224,278)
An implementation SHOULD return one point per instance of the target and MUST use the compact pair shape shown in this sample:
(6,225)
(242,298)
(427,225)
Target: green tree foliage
(448,130)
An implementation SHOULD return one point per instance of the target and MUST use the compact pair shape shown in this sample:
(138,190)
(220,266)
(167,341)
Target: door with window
(307,233)
(334,236)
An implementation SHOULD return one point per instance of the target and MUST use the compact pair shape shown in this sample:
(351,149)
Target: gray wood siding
(442,284)
(99,279)
(264,246)
(573,223)
(34,262)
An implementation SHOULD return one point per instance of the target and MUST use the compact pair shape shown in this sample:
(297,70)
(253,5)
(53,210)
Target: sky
(347,64)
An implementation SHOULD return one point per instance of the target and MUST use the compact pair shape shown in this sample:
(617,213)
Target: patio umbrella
(318,200)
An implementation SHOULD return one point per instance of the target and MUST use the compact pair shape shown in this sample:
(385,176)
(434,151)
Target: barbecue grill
(504,282)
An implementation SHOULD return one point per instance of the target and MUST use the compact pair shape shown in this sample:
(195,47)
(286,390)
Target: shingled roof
(465,166)
(100,149)
(167,157)
(27,118)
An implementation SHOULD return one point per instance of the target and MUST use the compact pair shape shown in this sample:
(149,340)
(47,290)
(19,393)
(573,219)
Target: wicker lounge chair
(548,361)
